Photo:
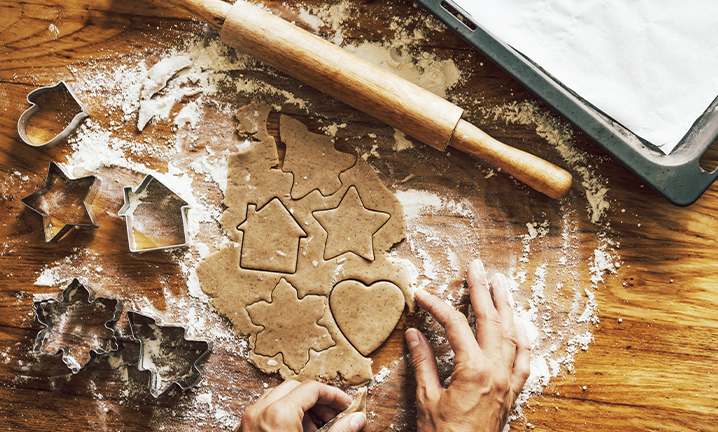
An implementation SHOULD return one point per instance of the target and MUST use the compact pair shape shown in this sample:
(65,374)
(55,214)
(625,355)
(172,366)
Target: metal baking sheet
(677,176)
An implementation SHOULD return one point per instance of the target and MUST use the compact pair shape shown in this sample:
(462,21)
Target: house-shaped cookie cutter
(71,320)
(164,343)
(162,204)
(37,203)
(34,108)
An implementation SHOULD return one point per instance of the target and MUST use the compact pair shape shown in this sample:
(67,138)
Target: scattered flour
(415,201)
(401,142)
(428,71)
(160,73)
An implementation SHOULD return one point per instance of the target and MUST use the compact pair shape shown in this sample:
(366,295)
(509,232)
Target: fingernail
(478,266)
(412,339)
(420,296)
(357,421)
(499,280)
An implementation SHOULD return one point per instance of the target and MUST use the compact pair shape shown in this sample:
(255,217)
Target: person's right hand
(489,370)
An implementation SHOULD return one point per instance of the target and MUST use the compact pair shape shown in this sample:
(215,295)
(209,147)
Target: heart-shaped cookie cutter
(32,98)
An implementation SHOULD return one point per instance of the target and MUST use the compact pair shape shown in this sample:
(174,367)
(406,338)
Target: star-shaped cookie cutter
(166,345)
(45,200)
(71,325)
(164,202)
(35,107)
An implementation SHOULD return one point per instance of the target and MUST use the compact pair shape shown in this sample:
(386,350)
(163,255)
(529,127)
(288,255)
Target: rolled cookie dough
(256,262)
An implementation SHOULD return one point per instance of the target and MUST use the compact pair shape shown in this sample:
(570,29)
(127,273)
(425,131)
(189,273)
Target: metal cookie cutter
(80,326)
(32,97)
(64,203)
(172,359)
(156,217)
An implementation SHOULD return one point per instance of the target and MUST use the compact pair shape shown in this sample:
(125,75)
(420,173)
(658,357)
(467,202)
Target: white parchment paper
(651,65)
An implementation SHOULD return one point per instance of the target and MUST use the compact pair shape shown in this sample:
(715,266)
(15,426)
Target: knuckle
(309,384)
(487,313)
(492,317)
(475,372)
(456,319)
(250,417)
(523,373)
(423,399)
(274,411)
(509,335)
(419,358)
(502,383)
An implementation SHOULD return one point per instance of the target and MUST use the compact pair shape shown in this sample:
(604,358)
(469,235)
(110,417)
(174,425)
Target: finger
(458,332)
(423,361)
(273,395)
(324,413)
(310,393)
(488,324)
(352,423)
(522,362)
(308,424)
(508,330)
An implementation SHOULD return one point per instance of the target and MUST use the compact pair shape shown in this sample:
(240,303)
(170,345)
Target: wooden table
(651,363)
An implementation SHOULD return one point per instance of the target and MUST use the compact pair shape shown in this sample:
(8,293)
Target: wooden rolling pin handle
(541,175)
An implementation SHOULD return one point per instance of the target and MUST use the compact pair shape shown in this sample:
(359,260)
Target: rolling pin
(403,105)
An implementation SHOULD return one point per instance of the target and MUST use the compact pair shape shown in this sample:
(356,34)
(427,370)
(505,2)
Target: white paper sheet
(651,65)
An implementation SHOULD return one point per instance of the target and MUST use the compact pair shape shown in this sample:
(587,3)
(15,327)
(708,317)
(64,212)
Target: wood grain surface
(651,364)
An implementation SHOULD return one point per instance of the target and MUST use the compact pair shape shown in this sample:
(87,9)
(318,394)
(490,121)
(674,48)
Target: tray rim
(677,176)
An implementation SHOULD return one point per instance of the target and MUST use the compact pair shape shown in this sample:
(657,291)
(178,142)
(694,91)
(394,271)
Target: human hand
(284,409)
(489,370)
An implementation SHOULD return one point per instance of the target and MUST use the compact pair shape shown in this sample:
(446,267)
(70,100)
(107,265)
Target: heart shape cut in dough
(366,315)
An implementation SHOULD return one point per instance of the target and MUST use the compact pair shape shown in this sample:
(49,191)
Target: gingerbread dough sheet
(322,221)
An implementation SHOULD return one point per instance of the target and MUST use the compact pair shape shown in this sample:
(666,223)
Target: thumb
(352,423)
(423,362)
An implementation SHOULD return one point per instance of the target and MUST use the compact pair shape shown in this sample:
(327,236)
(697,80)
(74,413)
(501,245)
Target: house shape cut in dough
(271,238)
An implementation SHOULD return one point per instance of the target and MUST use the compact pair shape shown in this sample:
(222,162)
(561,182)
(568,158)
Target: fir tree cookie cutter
(156,217)
(80,326)
(64,203)
(35,107)
(173,360)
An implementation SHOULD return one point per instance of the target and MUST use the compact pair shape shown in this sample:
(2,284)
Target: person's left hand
(285,408)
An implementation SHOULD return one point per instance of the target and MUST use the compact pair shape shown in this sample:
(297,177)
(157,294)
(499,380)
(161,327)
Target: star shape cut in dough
(291,326)
(64,203)
(350,227)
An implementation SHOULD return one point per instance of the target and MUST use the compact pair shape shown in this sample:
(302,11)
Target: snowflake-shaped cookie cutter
(165,351)
(80,326)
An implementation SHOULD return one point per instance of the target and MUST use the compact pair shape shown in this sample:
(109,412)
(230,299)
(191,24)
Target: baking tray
(677,176)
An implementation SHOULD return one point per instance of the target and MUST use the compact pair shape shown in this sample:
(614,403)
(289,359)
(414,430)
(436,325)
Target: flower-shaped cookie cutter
(80,326)
(156,217)
(32,97)
(64,202)
(165,351)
